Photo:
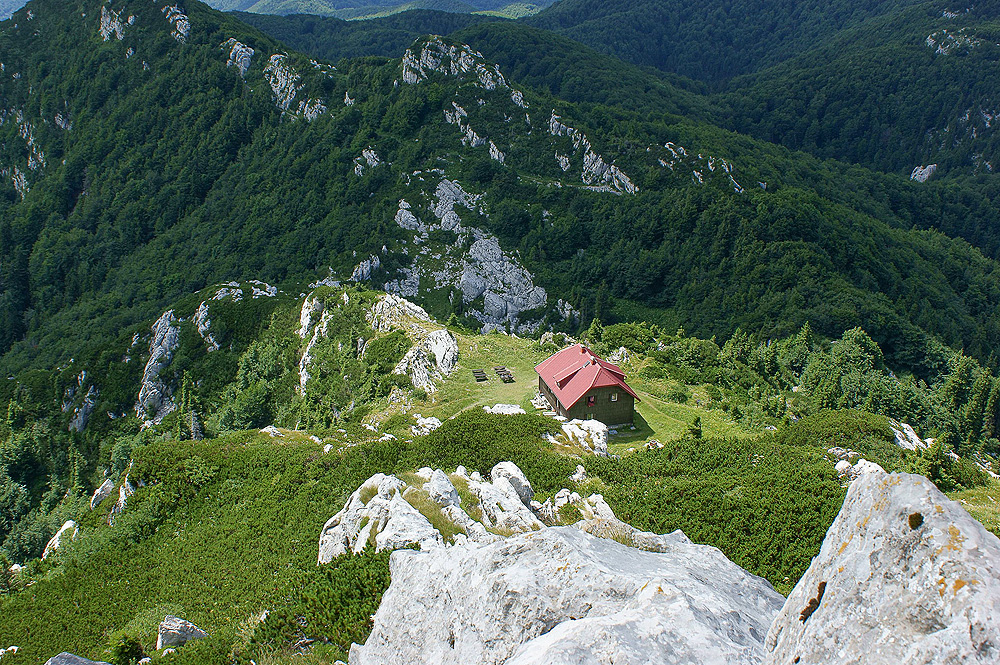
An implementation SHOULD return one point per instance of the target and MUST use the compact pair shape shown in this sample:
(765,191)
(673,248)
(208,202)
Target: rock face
(66,658)
(923,173)
(239,55)
(560,595)
(154,396)
(904,576)
(67,531)
(102,493)
(174,632)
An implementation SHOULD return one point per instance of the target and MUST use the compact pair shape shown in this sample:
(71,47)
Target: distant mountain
(354,9)
(8,7)
(331,38)
(932,97)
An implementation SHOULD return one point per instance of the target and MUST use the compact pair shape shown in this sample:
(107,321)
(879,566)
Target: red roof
(570,373)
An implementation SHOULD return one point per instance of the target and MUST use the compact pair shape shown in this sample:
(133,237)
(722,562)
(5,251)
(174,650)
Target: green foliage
(125,650)
(765,504)
(334,604)
(480,440)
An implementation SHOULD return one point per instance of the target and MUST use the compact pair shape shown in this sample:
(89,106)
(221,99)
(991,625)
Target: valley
(252,263)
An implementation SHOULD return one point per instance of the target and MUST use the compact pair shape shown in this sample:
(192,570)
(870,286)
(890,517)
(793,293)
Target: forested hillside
(361,9)
(705,40)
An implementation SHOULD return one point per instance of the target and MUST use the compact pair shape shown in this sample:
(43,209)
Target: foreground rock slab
(66,658)
(174,632)
(904,576)
(561,595)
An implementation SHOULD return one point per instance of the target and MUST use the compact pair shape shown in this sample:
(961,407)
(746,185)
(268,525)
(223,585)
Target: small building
(580,385)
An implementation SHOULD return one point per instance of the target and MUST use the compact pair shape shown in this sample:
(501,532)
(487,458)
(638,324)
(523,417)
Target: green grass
(983,503)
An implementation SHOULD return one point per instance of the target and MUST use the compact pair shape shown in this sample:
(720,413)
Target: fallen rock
(102,493)
(561,595)
(66,658)
(904,576)
(175,632)
(57,540)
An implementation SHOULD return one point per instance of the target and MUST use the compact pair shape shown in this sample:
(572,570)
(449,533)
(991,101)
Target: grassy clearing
(983,503)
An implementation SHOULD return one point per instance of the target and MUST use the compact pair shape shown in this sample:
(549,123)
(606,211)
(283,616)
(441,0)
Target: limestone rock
(424,425)
(504,409)
(81,415)
(125,490)
(154,395)
(102,493)
(180,22)
(590,434)
(906,437)
(851,472)
(904,576)
(923,173)
(204,324)
(392,312)
(66,658)
(364,270)
(175,632)
(239,55)
(380,518)
(11,650)
(272,431)
(285,82)
(516,478)
(67,531)
(579,475)
(433,55)
(111,24)
(440,489)
(560,595)
(433,356)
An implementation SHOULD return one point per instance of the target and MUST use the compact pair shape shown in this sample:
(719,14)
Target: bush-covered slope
(913,87)
(150,169)
(705,40)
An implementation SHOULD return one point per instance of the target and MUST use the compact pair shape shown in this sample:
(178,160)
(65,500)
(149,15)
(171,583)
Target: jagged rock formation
(204,324)
(102,493)
(125,490)
(82,413)
(368,159)
(596,172)
(391,312)
(283,79)
(434,55)
(180,22)
(111,24)
(431,359)
(56,541)
(562,595)
(174,631)
(922,173)
(154,395)
(850,472)
(364,270)
(239,55)
(904,576)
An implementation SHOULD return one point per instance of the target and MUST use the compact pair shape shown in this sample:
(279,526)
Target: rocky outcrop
(391,312)
(505,286)
(285,82)
(111,24)
(102,493)
(922,173)
(66,658)
(239,55)
(433,55)
(125,491)
(852,471)
(375,513)
(154,394)
(180,22)
(592,435)
(595,171)
(364,270)
(904,576)
(424,426)
(203,323)
(906,437)
(431,359)
(368,159)
(175,632)
(82,413)
(66,532)
(561,595)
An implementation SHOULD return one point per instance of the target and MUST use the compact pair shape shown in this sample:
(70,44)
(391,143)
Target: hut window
(614,397)
(591,400)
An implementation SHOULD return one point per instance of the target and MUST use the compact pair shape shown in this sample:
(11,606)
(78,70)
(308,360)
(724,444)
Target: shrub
(125,650)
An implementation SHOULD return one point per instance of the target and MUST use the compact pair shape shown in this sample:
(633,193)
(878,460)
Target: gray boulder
(904,576)
(175,632)
(70,659)
(102,493)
